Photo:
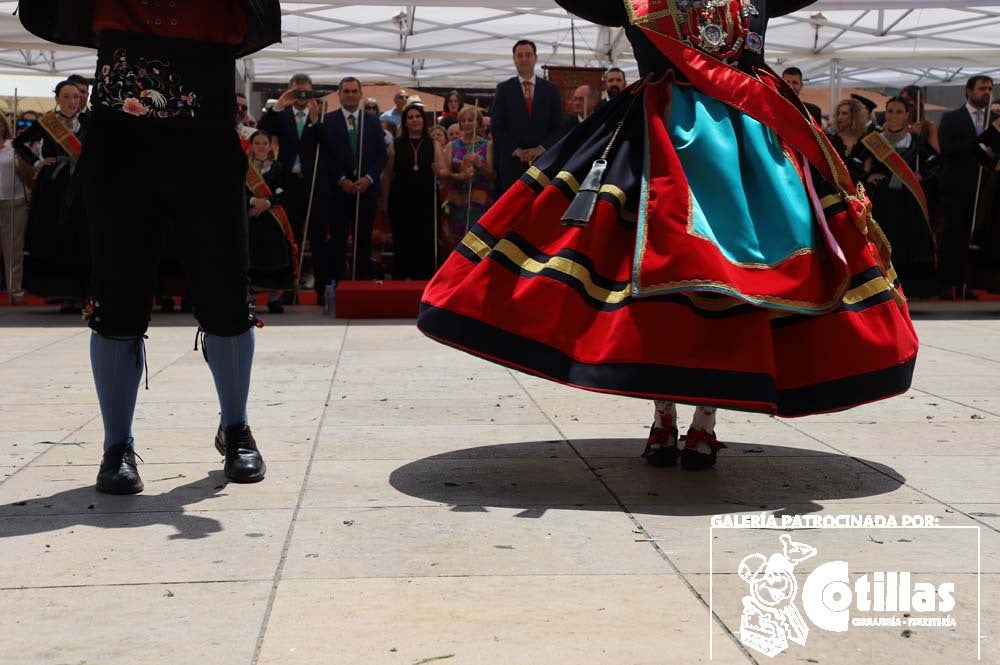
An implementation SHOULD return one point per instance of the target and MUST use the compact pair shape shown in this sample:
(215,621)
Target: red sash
(61,134)
(258,187)
(884,152)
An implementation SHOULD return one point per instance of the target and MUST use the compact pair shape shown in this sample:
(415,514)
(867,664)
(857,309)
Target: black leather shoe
(243,461)
(118,473)
(275,307)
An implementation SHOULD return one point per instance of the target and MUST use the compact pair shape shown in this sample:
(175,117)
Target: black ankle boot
(243,461)
(118,473)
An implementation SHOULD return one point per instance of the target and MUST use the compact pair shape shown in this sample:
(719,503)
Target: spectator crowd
(355,192)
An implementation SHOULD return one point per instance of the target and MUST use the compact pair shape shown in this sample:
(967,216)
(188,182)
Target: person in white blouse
(13,212)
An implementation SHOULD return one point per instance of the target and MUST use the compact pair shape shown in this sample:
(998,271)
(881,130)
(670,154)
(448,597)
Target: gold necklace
(415,151)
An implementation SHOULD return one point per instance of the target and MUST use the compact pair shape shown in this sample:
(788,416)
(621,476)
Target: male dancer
(164,91)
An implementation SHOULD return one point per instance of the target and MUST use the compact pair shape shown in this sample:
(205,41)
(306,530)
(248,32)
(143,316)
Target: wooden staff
(468,204)
(9,260)
(309,205)
(920,120)
(434,192)
(979,180)
(357,194)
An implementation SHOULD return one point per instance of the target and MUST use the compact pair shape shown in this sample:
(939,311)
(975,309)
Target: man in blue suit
(352,157)
(289,119)
(527,117)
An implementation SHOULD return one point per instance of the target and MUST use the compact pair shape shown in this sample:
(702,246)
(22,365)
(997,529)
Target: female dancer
(696,239)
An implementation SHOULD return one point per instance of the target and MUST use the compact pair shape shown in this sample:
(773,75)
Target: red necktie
(527,94)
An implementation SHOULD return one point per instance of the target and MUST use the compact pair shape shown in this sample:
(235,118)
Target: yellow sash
(258,187)
(61,134)
(886,153)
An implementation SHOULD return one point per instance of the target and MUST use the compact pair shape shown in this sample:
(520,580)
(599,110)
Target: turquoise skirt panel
(748,197)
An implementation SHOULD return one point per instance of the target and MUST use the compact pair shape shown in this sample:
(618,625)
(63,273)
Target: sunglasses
(24,124)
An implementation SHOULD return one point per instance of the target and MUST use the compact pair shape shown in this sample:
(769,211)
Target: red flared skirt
(826,330)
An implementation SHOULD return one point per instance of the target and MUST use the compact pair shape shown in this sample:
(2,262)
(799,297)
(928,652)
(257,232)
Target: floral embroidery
(145,88)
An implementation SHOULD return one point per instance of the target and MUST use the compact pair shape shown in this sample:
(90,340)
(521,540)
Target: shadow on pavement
(86,506)
(748,477)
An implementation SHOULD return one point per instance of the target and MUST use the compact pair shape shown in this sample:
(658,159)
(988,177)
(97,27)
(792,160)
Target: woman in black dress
(413,199)
(901,165)
(56,255)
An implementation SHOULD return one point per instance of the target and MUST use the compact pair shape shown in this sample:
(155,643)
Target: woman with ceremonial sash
(696,239)
(901,165)
(56,255)
(274,254)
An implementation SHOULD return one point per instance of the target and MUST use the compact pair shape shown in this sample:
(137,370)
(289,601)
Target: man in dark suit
(793,77)
(352,157)
(960,153)
(288,120)
(527,117)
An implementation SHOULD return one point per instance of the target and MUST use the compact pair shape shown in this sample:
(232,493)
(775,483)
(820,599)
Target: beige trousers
(13,220)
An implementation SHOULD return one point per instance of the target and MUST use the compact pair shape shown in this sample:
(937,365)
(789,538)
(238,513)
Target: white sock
(664,413)
(704,419)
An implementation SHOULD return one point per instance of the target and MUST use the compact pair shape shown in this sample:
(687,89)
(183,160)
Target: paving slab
(146,624)
(474,540)
(141,547)
(594,619)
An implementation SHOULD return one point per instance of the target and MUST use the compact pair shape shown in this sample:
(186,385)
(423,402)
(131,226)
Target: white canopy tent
(466,42)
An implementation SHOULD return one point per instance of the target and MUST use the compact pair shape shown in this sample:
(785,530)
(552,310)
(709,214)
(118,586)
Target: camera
(307,94)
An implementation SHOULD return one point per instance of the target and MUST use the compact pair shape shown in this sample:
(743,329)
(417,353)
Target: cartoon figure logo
(770,619)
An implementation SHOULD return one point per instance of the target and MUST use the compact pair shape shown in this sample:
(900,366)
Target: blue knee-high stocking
(117,364)
(230,359)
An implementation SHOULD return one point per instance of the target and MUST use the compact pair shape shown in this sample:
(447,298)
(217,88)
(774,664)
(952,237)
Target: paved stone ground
(423,506)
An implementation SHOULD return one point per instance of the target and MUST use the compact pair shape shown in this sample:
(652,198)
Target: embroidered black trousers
(163,162)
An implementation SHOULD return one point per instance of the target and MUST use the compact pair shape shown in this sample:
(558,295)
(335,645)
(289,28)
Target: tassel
(582,207)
